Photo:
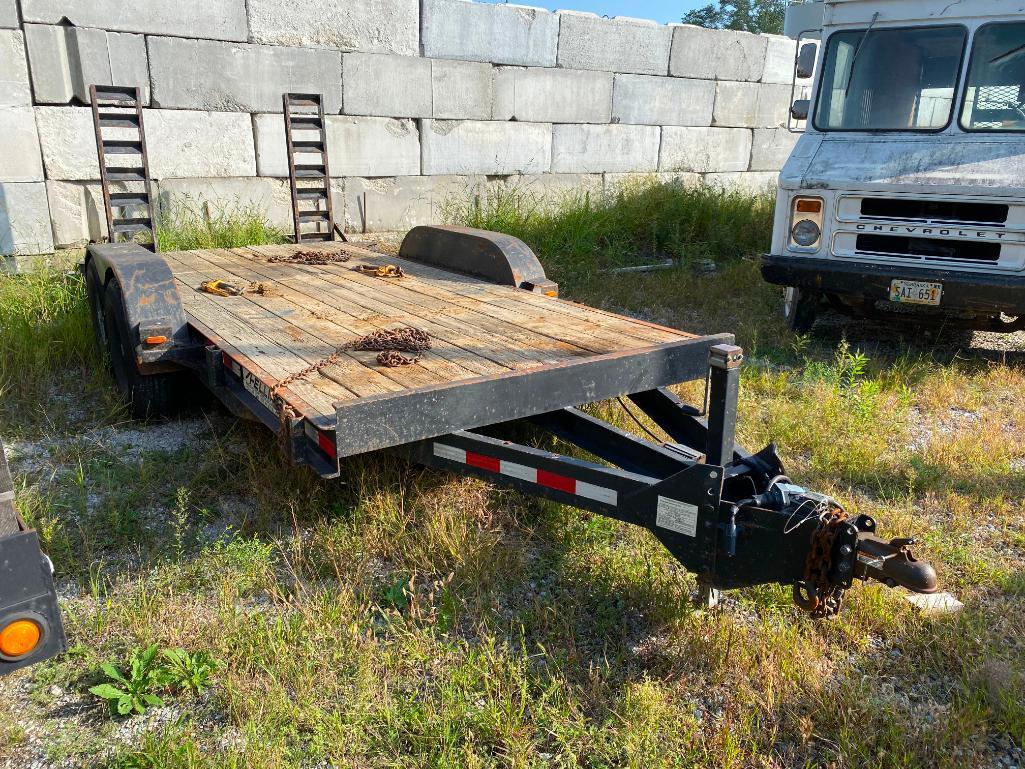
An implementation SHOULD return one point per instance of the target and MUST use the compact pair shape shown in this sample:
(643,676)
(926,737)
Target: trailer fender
(152,305)
(493,256)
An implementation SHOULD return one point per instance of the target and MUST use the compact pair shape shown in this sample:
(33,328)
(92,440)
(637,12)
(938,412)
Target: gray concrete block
(387,86)
(770,148)
(463,90)
(779,59)
(704,150)
(717,54)
(181,143)
(403,202)
(67,60)
(374,26)
(210,75)
(357,146)
(14,90)
(751,183)
(76,213)
(613,45)
(648,100)
(20,158)
(773,105)
(24,219)
(269,198)
(475,147)
(607,148)
(552,95)
(210,19)
(503,34)
(9,14)
(736,104)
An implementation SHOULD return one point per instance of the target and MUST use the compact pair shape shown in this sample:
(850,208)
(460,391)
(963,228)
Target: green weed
(186,224)
(135,689)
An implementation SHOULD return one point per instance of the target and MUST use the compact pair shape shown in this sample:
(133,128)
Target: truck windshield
(890,79)
(993,98)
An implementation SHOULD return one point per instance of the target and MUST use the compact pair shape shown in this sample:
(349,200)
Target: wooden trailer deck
(486,340)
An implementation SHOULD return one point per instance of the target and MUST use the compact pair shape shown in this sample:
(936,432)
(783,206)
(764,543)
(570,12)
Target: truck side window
(993,96)
(890,79)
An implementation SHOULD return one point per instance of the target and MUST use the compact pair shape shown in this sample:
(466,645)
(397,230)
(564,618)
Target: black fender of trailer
(152,304)
(493,256)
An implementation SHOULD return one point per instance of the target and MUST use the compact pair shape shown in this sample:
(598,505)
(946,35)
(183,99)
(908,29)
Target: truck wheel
(800,308)
(149,395)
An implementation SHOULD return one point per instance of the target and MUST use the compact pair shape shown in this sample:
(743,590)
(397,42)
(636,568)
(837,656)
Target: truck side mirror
(799,109)
(806,61)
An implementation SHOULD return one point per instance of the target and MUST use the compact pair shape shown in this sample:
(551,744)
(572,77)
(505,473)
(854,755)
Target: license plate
(915,292)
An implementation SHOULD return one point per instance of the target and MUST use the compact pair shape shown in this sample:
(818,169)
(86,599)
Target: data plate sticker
(677,516)
(916,292)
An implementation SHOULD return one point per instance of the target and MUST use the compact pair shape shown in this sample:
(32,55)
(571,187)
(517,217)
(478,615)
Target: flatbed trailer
(506,354)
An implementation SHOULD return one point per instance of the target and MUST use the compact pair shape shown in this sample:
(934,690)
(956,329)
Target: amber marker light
(808,206)
(156,339)
(19,638)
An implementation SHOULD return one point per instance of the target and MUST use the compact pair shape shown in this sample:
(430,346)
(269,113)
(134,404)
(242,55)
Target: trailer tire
(800,308)
(94,293)
(149,395)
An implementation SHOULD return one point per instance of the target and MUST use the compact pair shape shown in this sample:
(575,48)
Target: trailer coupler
(732,518)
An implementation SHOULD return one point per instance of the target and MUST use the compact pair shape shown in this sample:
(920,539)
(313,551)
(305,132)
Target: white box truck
(905,195)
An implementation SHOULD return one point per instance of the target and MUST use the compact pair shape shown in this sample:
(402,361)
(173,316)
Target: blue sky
(664,11)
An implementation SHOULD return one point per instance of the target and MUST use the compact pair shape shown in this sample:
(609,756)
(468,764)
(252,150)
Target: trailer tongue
(508,367)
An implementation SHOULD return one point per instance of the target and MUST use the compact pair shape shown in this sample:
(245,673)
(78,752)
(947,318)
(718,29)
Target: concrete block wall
(427,100)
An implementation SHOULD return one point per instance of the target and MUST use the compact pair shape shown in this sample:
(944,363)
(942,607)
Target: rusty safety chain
(309,257)
(390,342)
(817,593)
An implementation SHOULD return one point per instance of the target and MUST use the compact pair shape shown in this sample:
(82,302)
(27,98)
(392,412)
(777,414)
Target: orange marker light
(808,206)
(156,339)
(19,638)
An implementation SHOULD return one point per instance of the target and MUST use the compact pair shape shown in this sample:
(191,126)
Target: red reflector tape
(483,462)
(555,481)
(328,445)
(544,478)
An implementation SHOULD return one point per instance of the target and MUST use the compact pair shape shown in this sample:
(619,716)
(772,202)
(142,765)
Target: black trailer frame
(731,517)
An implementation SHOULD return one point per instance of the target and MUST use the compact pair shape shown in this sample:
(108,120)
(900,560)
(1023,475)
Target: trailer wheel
(94,293)
(149,395)
(800,308)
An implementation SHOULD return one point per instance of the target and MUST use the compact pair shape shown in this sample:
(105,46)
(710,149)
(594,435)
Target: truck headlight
(805,222)
(806,233)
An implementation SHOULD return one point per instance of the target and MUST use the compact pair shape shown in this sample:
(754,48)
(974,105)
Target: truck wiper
(1007,55)
(857,52)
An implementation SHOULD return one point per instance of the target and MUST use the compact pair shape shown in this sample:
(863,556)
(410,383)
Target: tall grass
(44,327)
(579,233)
(187,223)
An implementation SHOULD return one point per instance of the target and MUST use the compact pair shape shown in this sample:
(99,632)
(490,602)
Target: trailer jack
(733,518)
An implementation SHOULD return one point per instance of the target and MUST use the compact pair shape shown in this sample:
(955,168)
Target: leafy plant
(189,672)
(133,691)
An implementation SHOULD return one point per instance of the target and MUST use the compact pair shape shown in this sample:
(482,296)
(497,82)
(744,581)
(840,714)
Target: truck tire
(800,308)
(149,395)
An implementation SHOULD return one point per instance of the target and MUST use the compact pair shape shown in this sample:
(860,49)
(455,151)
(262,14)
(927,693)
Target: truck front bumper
(979,293)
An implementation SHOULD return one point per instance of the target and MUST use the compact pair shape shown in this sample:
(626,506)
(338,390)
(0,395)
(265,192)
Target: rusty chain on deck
(309,257)
(390,342)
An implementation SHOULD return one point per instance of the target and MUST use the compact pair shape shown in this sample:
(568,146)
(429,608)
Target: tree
(747,15)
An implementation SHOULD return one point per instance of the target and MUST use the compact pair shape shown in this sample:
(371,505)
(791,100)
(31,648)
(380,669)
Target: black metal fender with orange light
(30,623)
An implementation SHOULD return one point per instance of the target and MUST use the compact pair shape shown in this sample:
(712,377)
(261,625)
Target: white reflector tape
(546,478)
(449,452)
(522,472)
(599,493)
